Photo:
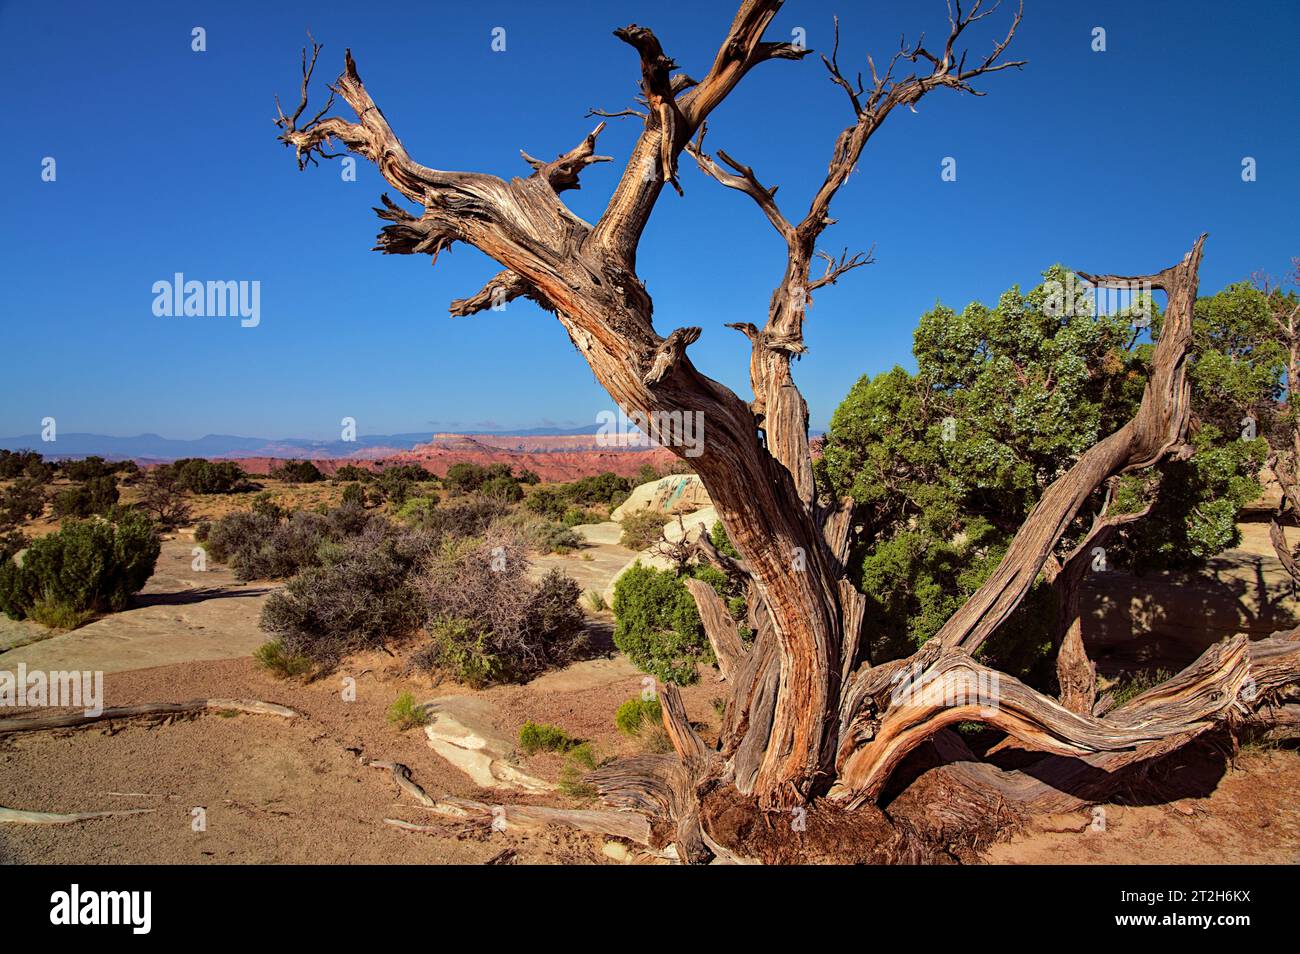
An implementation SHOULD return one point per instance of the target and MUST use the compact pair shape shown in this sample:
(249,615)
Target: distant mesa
(552,453)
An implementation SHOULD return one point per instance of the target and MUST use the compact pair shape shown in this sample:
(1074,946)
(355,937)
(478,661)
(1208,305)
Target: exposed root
(629,825)
(14,816)
(73,720)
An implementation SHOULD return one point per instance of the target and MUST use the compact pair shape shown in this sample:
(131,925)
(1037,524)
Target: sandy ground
(279,791)
(1251,817)
(274,791)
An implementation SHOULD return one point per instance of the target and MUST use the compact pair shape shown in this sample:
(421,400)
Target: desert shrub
(537,737)
(595,601)
(57,615)
(486,610)
(642,529)
(645,474)
(601,490)
(571,782)
(352,472)
(274,657)
(362,596)
(87,566)
(642,719)
(26,463)
(469,517)
(658,626)
(466,477)
(95,496)
(633,714)
(1132,685)
(201,476)
(406,713)
(349,519)
(24,499)
(297,472)
(527,476)
(547,501)
(417,510)
(397,484)
(87,468)
(504,489)
(542,534)
(607,489)
(354,494)
(163,498)
(461,648)
(578,515)
(266,543)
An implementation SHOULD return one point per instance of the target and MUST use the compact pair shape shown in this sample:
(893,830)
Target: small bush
(87,468)
(397,484)
(1132,685)
(537,737)
(351,472)
(200,476)
(24,499)
(642,719)
(547,501)
(635,713)
(87,566)
(543,534)
(59,615)
(461,648)
(297,472)
(273,657)
(406,713)
(571,783)
(418,510)
(362,596)
(490,618)
(642,529)
(354,494)
(466,478)
(577,515)
(607,489)
(459,519)
(96,496)
(268,544)
(504,489)
(15,464)
(163,498)
(595,601)
(658,626)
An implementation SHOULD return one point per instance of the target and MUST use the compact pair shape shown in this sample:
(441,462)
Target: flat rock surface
(181,615)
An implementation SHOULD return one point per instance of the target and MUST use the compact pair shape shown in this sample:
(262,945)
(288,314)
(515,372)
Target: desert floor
(279,791)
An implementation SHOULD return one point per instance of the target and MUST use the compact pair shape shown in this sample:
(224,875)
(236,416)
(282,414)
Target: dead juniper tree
(809,719)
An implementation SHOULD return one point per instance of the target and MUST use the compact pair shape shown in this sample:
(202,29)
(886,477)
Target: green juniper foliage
(944,464)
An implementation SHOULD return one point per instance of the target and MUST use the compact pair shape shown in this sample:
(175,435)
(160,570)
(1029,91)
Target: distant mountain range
(151,447)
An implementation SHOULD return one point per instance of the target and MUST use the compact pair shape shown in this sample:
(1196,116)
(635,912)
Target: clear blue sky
(167,162)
